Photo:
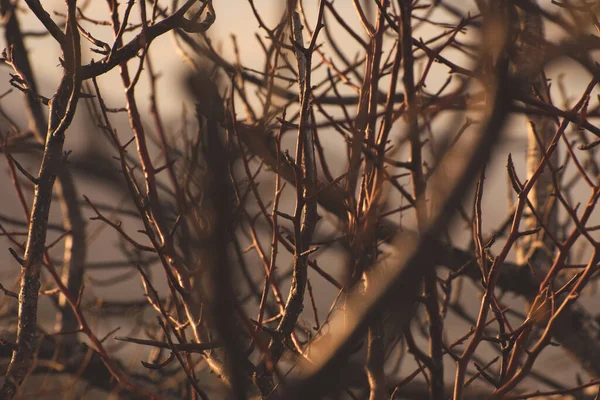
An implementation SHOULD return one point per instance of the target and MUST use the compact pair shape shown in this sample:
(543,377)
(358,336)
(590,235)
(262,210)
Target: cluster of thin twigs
(316,178)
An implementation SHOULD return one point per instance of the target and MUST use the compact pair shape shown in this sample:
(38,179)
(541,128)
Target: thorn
(23,170)
(66,155)
(309,251)
(16,256)
(167,165)
(589,146)
(128,143)
(9,294)
(175,225)
(512,174)
(530,232)
(284,215)
(80,295)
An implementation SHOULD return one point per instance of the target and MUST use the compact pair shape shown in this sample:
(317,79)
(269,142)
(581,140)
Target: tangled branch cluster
(316,178)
